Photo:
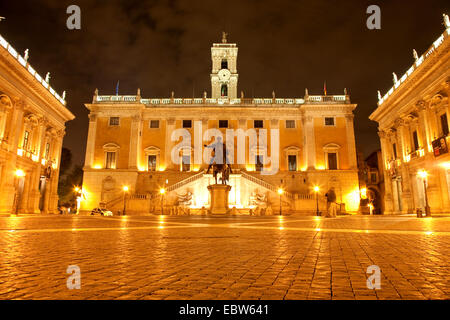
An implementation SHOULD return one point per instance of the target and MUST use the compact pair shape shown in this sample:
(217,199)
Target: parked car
(102,212)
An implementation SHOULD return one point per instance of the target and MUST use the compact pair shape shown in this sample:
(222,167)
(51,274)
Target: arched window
(224,64)
(224,91)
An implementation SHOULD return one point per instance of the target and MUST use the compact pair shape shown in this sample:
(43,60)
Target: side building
(135,159)
(32,127)
(414,133)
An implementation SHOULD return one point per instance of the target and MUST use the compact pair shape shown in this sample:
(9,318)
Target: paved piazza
(165,257)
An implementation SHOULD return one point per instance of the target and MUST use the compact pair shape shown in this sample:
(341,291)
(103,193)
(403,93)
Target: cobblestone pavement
(156,257)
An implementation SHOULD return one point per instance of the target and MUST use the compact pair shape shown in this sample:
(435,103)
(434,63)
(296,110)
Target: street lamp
(280,192)
(423,174)
(125,190)
(316,190)
(79,197)
(162,191)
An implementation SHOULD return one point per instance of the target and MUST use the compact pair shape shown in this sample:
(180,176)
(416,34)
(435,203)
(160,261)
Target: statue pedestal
(219,198)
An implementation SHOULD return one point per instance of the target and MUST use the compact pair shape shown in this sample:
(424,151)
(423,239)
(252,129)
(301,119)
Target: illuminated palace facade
(414,132)
(135,143)
(32,127)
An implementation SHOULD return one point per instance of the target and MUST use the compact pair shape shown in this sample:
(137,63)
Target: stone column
(14,127)
(310,143)
(388,199)
(135,142)
(407,196)
(170,127)
(423,125)
(90,146)
(351,141)
(53,201)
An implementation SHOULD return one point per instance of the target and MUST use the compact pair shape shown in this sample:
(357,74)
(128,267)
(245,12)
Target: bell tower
(224,77)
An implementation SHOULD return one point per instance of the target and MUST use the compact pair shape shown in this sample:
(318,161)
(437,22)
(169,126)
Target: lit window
(114,121)
(187,123)
(258,124)
(26,137)
(259,163)
(152,163)
(47,150)
(223,123)
(290,124)
(186,163)
(154,124)
(110,160)
(292,161)
(329,121)
(332,161)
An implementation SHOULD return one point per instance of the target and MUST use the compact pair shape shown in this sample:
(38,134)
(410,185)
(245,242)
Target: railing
(416,65)
(265,184)
(185,181)
(26,65)
(154,102)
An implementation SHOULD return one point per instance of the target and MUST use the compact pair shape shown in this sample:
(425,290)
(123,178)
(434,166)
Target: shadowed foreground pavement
(274,257)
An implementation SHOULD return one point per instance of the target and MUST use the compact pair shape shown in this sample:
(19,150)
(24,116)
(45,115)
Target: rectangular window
(416,141)
(259,163)
(444,124)
(114,121)
(154,124)
(394,148)
(373,178)
(152,163)
(186,163)
(332,161)
(329,121)
(187,123)
(223,123)
(292,161)
(110,160)
(290,124)
(47,150)
(26,136)
(258,124)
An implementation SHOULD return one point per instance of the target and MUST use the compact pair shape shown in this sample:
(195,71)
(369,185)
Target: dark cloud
(160,46)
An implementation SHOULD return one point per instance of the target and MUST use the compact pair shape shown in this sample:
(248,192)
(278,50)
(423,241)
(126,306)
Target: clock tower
(224,77)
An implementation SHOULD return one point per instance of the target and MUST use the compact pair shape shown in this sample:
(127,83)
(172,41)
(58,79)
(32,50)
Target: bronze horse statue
(224,167)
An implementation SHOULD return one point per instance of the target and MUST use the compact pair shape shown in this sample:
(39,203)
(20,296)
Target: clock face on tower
(224,74)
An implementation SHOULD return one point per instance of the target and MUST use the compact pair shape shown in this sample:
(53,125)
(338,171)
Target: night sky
(164,46)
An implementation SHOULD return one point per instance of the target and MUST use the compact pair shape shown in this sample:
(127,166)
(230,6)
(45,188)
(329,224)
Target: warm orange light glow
(97,166)
(423,174)
(320,168)
(162,191)
(364,193)
(280,191)
(20,173)
(316,188)
(77,189)
(125,188)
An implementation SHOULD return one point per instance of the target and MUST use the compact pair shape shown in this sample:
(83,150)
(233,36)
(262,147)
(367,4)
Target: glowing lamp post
(79,197)
(280,192)
(162,191)
(423,174)
(125,190)
(316,190)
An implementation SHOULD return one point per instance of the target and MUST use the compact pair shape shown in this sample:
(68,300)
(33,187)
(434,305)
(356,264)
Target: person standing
(331,202)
